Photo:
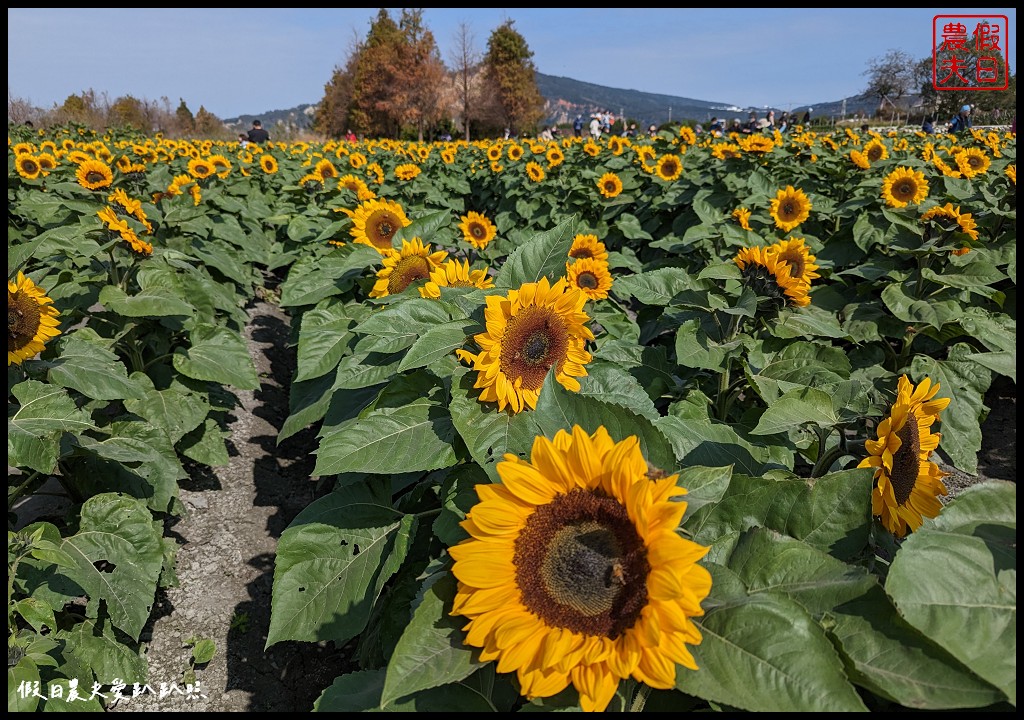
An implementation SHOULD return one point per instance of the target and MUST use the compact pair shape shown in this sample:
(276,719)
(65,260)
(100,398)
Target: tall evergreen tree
(415,98)
(510,71)
(374,78)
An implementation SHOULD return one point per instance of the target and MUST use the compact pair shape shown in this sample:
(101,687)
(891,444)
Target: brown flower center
(534,340)
(407,271)
(478,231)
(906,462)
(581,565)
(22,320)
(587,280)
(905,190)
(795,261)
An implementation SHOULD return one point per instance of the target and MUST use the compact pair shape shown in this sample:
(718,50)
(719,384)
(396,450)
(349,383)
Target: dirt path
(226,557)
(236,515)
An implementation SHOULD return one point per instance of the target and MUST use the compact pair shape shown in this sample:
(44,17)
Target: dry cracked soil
(236,515)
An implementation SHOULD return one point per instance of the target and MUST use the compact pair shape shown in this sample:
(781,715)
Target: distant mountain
(566,98)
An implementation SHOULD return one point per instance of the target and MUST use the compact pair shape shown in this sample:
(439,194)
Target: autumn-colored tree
(415,95)
(332,114)
(466,79)
(511,73)
(208,124)
(82,109)
(128,112)
(374,79)
(185,122)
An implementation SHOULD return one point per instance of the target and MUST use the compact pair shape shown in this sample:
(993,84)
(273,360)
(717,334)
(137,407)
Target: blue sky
(248,61)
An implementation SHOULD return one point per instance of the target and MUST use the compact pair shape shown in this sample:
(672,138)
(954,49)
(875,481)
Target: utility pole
(670,113)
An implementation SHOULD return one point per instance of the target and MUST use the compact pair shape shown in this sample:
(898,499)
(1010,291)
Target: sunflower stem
(640,699)
(14,495)
(826,457)
(115,276)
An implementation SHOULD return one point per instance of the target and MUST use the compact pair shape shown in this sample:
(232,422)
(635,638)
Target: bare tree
(890,77)
(464,59)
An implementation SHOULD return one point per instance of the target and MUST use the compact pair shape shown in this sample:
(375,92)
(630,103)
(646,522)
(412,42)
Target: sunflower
(31,319)
(404,267)
(534,171)
(455,273)
(585,245)
(200,169)
(795,253)
(375,172)
(94,174)
(615,145)
(448,155)
(742,216)
(944,168)
(757,144)
(687,134)
(669,167)
(790,207)
(515,152)
(407,171)
(860,159)
(357,160)
(477,229)
(771,278)
(907,483)
(875,150)
(375,222)
(574,571)
(268,163)
(591,148)
(326,169)
(972,162)
(494,153)
(724,151)
(23,148)
(28,166)
(538,326)
(964,223)
(610,185)
(904,186)
(591,276)
(311,182)
(358,186)
(555,157)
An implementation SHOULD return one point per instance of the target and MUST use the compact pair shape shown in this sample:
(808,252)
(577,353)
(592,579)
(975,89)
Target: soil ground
(236,515)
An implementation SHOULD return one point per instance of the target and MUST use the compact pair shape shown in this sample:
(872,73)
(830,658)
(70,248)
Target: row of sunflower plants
(652,423)
(129,267)
(520,355)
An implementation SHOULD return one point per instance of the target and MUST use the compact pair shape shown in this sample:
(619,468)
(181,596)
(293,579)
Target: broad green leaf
(765,653)
(981,555)
(94,643)
(173,410)
(438,341)
(43,414)
(21,679)
(431,651)
(206,444)
(609,383)
(809,321)
(630,228)
(489,433)
(1003,362)
(832,514)
(544,255)
(219,355)
(360,691)
(36,613)
(329,566)
(403,322)
(561,409)
(906,307)
(891,659)
(91,369)
(19,253)
(154,302)
(657,287)
(424,227)
(323,339)
(977,275)
(795,408)
(312,279)
(307,403)
(418,436)
(769,562)
(203,651)
(694,349)
(119,557)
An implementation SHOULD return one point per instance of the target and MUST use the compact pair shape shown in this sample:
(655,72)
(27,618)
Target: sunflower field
(654,423)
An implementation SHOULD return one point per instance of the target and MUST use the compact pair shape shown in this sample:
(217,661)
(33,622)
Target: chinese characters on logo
(69,691)
(969,52)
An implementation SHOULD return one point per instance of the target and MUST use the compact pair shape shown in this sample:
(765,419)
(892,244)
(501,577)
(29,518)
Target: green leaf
(403,322)
(544,255)
(765,653)
(360,691)
(431,651)
(436,342)
(23,675)
(154,302)
(1002,362)
(978,627)
(119,557)
(323,339)
(19,253)
(206,444)
(609,383)
(36,613)
(95,644)
(694,349)
(630,228)
(44,414)
(173,410)
(889,658)
(203,651)
(796,407)
(809,321)
(84,365)
(909,309)
(330,566)
(418,436)
(657,287)
(218,355)
(312,278)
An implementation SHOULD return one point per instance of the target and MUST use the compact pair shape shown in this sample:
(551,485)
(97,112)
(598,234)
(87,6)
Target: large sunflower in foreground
(972,162)
(574,571)
(31,319)
(907,483)
(94,174)
(591,276)
(669,166)
(455,273)
(904,186)
(477,229)
(789,208)
(28,166)
(375,222)
(531,330)
(404,267)
(771,278)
